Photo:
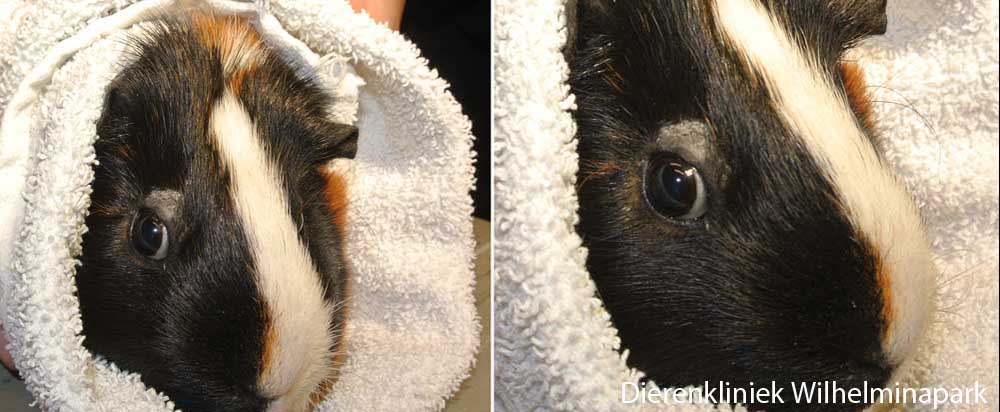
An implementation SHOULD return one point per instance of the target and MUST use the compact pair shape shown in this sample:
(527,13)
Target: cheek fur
(888,310)
(286,274)
(335,191)
(873,198)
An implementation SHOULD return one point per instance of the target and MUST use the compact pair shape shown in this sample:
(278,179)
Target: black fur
(193,324)
(773,283)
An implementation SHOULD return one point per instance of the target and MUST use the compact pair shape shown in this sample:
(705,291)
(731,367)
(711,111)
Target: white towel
(555,346)
(412,332)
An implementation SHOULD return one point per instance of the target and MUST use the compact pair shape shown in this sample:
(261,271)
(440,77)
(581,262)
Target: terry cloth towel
(412,331)
(934,78)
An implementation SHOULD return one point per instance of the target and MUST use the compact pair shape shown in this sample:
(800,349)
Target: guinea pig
(214,263)
(740,222)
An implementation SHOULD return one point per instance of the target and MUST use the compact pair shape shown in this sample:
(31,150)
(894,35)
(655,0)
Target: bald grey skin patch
(810,262)
(688,138)
(166,202)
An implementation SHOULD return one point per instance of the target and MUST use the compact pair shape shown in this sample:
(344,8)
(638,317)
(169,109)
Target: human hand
(389,12)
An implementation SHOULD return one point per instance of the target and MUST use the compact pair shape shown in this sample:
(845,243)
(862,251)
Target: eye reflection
(149,235)
(673,187)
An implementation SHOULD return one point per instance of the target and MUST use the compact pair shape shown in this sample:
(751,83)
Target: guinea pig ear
(336,141)
(585,20)
(116,103)
(591,11)
(863,18)
(115,113)
(594,5)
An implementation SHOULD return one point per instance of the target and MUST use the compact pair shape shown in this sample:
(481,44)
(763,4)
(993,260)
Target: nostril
(250,400)
(871,370)
(872,358)
(873,373)
(219,398)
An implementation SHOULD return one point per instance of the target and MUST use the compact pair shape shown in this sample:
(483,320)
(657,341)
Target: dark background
(454,36)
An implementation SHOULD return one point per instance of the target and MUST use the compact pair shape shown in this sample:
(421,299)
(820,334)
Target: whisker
(908,104)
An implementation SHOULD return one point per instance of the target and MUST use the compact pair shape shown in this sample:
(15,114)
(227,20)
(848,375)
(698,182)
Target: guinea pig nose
(247,400)
(866,365)
(876,370)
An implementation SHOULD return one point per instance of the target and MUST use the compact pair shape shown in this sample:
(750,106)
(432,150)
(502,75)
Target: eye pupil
(149,236)
(679,185)
(673,187)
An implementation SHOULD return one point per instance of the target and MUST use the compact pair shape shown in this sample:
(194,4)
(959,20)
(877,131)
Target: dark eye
(149,235)
(673,187)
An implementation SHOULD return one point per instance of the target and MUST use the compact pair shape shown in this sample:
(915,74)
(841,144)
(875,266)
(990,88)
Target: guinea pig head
(214,261)
(740,223)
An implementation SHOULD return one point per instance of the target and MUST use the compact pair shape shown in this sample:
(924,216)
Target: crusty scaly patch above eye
(879,208)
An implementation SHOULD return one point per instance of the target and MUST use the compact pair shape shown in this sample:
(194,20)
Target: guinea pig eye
(149,235)
(673,187)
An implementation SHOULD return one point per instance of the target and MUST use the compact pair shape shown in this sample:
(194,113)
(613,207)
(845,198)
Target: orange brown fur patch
(883,277)
(336,200)
(237,79)
(235,40)
(269,339)
(857,92)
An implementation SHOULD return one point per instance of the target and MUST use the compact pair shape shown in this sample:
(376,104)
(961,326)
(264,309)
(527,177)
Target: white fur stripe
(286,276)
(876,203)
